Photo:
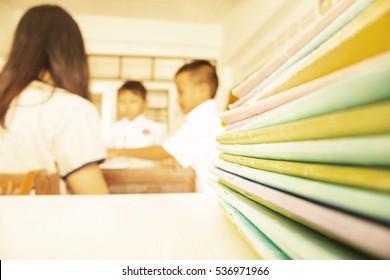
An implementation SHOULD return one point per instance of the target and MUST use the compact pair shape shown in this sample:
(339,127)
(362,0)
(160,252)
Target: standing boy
(134,130)
(193,145)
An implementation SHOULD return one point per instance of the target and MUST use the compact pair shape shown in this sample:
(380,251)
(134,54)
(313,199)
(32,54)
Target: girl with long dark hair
(46,119)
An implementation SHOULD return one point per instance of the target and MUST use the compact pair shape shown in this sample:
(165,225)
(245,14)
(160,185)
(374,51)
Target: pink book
(286,53)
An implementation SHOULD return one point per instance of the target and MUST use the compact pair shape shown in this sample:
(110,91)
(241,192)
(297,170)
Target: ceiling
(199,11)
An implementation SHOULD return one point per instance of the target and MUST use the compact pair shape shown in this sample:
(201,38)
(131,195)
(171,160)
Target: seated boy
(193,145)
(134,130)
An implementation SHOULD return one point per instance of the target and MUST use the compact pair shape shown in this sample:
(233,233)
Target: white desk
(140,226)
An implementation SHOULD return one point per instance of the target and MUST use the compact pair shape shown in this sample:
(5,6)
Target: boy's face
(130,105)
(189,95)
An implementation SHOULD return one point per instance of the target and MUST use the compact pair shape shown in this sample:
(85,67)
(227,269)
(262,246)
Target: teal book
(331,222)
(263,246)
(360,151)
(366,203)
(296,240)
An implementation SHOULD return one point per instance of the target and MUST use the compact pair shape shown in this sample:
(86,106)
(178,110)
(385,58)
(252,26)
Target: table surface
(186,226)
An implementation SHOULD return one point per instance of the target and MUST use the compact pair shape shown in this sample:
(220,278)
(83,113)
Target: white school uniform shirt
(138,133)
(194,144)
(52,129)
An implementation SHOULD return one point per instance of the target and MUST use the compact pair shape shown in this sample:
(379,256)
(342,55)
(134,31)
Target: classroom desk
(150,180)
(140,226)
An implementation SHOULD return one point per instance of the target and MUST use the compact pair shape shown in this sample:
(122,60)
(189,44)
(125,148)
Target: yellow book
(367,120)
(370,178)
(364,37)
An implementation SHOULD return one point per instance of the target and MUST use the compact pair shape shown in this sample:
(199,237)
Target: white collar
(35,93)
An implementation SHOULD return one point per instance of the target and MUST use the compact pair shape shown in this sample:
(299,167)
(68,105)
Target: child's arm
(87,180)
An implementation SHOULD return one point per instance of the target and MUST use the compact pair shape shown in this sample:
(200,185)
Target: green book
(363,202)
(362,150)
(370,178)
(296,240)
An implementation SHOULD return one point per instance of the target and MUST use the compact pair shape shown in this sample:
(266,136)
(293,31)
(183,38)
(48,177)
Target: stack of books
(304,168)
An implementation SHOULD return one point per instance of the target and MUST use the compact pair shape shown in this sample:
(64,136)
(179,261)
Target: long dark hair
(47,38)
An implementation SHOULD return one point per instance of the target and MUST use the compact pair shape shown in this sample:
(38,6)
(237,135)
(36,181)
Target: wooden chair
(23,184)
